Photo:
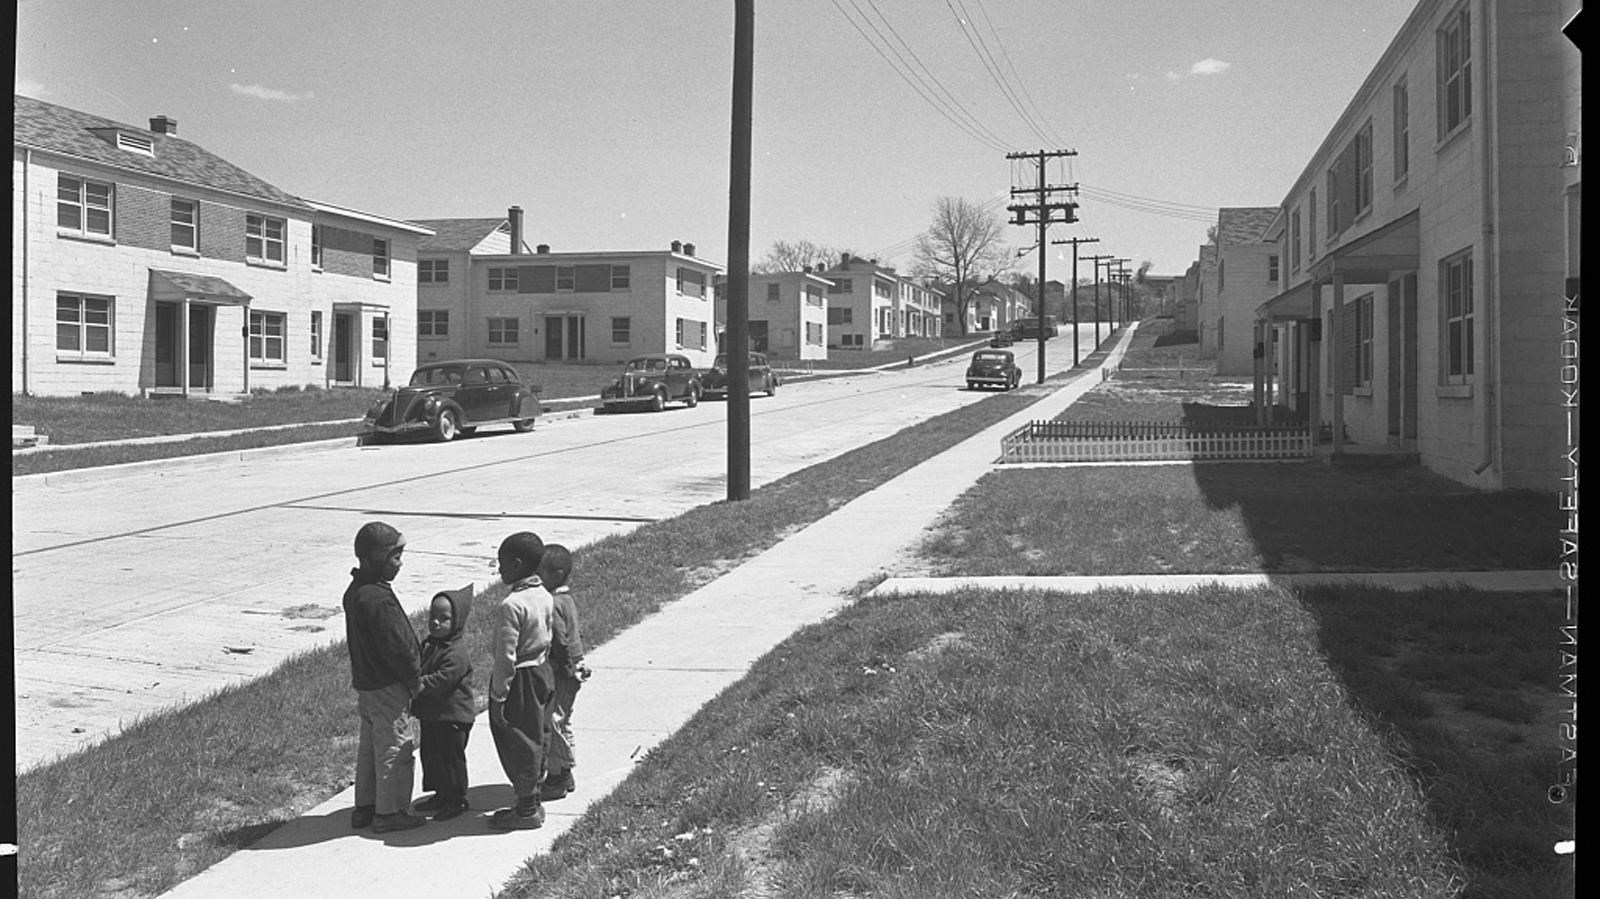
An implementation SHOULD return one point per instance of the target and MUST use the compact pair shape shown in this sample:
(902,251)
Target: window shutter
(593,279)
(1349,347)
(536,279)
(1349,171)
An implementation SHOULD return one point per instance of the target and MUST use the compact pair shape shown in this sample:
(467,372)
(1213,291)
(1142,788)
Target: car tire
(972,385)
(523,426)
(447,426)
(692,398)
(658,401)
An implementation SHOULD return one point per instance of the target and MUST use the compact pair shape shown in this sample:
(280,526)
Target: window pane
(66,337)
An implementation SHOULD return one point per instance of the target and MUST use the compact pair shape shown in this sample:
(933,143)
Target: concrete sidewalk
(648,681)
(1496,581)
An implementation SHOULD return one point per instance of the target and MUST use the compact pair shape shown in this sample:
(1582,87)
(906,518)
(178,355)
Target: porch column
(183,357)
(1314,361)
(244,338)
(1335,360)
(1270,363)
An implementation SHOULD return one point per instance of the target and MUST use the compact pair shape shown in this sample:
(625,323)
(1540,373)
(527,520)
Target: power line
(992,66)
(1019,82)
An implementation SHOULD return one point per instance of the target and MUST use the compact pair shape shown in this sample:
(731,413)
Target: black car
(762,378)
(993,368)
(1000,338)
(455,397)
(653,381)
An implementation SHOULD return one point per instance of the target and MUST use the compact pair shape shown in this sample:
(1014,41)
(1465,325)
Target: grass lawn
(120,816)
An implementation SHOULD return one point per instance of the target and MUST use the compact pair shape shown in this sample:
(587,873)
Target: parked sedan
(455,397)
(993,368)
(653,381)
(1000,338)
(762,378)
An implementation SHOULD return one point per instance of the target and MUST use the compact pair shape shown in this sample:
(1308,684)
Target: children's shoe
(450,808)
(427,806)
(512,819)
(557,786)
(361,816)
(396,821)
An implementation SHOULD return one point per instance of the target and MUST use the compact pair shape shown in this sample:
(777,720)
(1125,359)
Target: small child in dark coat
(445,705)
(566,660)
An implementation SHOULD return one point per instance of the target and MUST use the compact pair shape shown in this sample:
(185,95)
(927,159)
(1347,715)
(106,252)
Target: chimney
(515,215)
(688,249)
(844,260)
(677,246)
(542,249)
(163,125)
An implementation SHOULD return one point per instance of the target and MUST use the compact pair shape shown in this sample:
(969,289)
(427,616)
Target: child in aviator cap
(385,670)
(445,706)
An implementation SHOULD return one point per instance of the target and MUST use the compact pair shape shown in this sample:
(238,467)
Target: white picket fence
(1057,441)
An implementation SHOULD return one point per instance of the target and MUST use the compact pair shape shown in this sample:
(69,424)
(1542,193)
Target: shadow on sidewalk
(308,830)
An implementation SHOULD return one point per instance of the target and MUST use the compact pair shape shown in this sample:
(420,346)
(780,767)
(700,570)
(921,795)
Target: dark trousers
(444,757)
(523,742)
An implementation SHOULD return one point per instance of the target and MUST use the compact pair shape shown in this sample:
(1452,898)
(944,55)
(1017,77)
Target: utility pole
(1045,213)
(1122,292)
(1075,241)
(1097,263)
(738,348)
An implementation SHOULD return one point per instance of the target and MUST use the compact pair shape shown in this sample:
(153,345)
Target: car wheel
(693,397)
(446,428)
(658,401)
(523,426)
(972,385)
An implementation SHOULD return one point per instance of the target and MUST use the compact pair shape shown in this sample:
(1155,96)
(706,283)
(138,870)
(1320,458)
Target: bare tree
(962,247)
(795,256)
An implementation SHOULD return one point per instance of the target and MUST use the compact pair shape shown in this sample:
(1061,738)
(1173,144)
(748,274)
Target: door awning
(176,287)
(1293,304)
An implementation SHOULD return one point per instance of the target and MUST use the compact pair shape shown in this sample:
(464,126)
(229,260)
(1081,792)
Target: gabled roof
(457,235)
(68,132)
(1243,224)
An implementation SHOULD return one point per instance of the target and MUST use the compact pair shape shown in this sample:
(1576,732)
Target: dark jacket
(447,668)
(566,644)
(383,647)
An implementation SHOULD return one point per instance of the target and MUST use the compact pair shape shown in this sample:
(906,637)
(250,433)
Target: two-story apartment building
(142,263)
(1247,275)
(991,305)
(871,302)
(1428,243)
(480,293)
(788,314)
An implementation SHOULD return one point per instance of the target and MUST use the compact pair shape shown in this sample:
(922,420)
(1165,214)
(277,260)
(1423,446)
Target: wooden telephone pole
(1075,241)
(1045,213)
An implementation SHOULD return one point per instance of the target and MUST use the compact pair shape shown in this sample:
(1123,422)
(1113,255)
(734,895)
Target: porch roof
(1293,304)
(1374,257)
(176,287)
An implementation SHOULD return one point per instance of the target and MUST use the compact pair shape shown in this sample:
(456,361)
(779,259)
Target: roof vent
(163,125)
(677,246)
(688,249)
(136,143)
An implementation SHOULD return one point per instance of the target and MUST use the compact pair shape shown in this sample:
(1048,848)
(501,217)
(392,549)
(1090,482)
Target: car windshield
(434,377)
(647,365)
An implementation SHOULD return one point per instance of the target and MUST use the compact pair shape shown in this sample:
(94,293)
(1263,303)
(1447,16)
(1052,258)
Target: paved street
(135,592)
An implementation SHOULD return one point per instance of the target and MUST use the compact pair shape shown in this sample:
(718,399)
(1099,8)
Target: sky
(608,120)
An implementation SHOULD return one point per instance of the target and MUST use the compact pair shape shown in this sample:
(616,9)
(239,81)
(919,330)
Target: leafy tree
(795,256)
(962,247)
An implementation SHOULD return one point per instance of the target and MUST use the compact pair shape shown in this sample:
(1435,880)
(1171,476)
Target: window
(677,333)
(1455,284)
(813,295)
(380,338)
(1221,281)
(503,331)
(1363,173)
(1294,241)
(621,329)
(433,323)
(83,206)
(185,225)
(839,315)
(1402,131)
(503,279)
(380,258)
(263,239)
(1334,225)
(621,277)
(433,271)
(566,278)
(1364,325)
(881,290)
(316,246)
(83,324)
(316,335)
(691,282)
(1455,72)
(842,285)
(266,337)
(814,333)
(1272,268)
(774,292)
(1311,226)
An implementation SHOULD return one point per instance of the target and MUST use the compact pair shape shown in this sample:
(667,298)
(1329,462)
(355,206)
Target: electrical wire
(986,56)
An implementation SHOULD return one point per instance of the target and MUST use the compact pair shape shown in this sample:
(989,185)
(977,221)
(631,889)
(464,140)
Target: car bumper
(999,380)
(371,427)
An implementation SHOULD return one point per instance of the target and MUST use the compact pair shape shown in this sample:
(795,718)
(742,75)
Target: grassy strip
(1119,744)
(1238,517)
(114,416)
(97,456)
(178,791)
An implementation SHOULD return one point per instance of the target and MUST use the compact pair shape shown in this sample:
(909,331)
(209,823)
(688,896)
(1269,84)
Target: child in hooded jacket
(445,705)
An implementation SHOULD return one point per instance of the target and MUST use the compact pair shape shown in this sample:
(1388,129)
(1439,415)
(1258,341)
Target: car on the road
(653,380)
(714,381)
(1001,337)
(1028,328)
(993,368)
(455,397)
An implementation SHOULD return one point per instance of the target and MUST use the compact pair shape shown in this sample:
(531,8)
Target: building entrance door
(343,348)
(200,334)
(564,337)
(169,336)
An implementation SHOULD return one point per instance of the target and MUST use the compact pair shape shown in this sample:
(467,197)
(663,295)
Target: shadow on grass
(1459,683)
(1177,338)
